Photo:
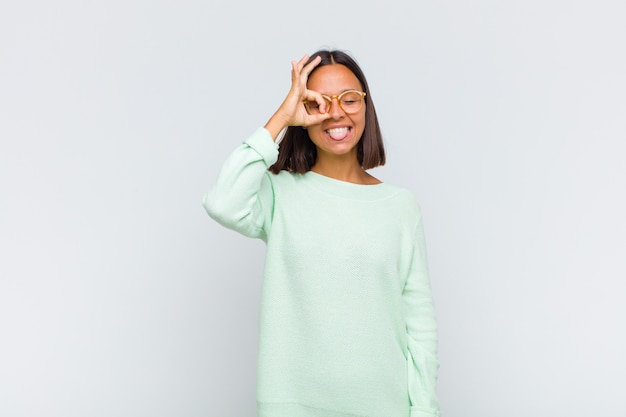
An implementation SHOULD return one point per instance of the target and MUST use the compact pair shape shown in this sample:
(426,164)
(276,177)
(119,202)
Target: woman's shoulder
(403,193)
(405,201)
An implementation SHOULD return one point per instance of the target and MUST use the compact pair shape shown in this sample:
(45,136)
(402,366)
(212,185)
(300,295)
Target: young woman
(347,327)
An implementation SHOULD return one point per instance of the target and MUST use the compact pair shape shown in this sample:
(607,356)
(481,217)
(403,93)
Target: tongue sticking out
(338,134)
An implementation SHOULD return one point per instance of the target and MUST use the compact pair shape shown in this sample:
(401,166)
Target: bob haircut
(297,153)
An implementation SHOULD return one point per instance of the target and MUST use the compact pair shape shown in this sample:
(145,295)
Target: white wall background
(120,297)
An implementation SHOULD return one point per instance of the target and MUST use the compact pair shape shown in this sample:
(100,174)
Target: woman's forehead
(333,79)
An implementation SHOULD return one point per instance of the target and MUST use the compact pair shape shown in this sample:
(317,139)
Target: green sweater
(347,327)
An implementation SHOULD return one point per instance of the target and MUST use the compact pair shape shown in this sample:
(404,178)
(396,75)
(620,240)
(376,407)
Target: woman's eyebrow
(347,89)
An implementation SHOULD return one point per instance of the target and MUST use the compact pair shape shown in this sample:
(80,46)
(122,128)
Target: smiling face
(340,133)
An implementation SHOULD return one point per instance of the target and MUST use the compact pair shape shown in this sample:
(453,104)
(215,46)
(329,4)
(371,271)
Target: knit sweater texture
(347,325)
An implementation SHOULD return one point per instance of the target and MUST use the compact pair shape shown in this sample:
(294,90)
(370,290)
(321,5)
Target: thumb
(317,118)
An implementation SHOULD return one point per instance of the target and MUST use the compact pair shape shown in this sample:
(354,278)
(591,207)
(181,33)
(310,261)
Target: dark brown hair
(297,153)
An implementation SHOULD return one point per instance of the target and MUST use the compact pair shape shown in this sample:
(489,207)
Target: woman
(347,327)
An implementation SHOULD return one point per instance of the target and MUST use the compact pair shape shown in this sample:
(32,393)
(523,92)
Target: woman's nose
(335,111)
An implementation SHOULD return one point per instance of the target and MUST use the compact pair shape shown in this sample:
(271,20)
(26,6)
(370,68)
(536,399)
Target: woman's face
(341,132)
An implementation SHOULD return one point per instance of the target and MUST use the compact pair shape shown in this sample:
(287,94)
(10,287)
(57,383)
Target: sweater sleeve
(421,327)
(242,198)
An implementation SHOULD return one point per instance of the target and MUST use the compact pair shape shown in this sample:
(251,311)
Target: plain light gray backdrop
(120,297)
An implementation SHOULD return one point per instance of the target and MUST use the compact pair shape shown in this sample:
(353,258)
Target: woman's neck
(343,170)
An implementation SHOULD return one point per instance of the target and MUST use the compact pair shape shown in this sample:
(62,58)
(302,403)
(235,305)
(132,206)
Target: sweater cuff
(421,412)
(261,141)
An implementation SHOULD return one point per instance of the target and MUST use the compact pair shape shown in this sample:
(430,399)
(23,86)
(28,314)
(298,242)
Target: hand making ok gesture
(292,111)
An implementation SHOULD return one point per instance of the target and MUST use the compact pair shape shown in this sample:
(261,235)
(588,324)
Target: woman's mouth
(338,133)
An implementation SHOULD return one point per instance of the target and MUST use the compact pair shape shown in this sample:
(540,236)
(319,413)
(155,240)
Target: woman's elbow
(214,207)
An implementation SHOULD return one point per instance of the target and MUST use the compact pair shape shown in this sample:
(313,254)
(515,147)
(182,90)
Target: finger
(296,66)
(311,66)
(295,72)
(318,98)
(303,60)
(296,69)
(317,119)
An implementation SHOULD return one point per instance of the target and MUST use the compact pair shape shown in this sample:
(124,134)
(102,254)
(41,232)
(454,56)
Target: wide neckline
(331,179)
(348,190)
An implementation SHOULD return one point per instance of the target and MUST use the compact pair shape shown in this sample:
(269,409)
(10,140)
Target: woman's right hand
(292,111)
